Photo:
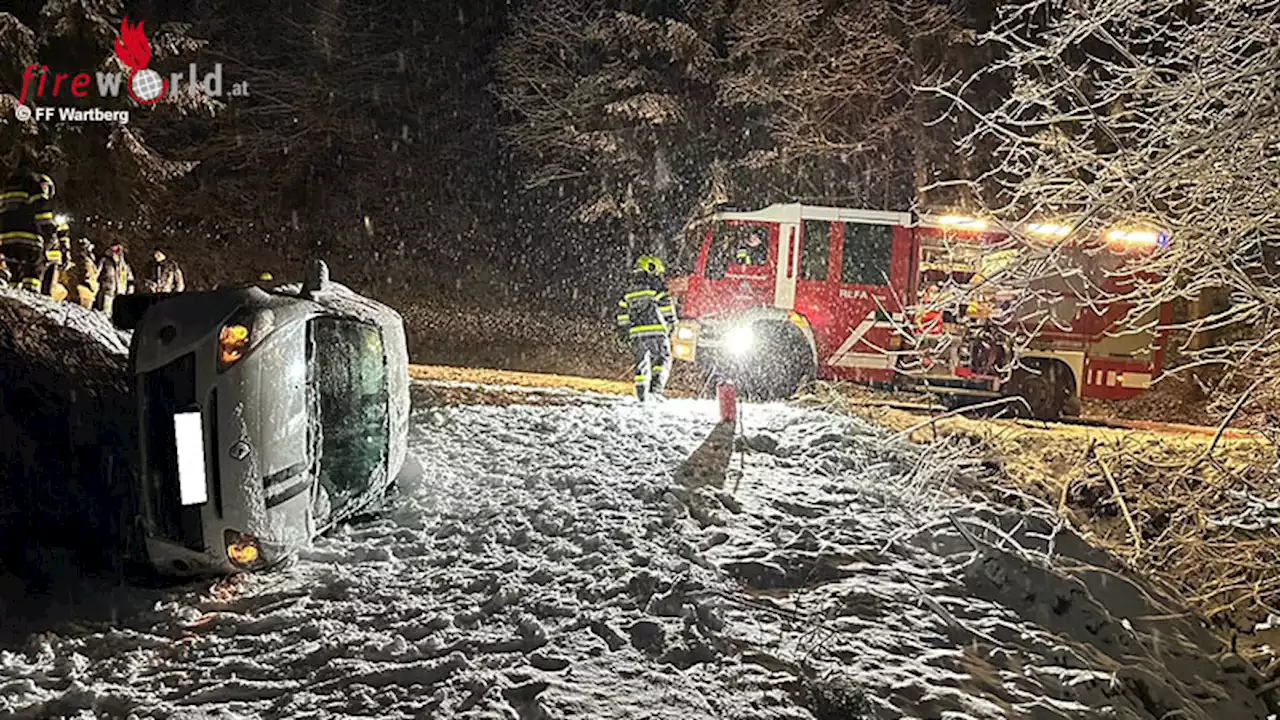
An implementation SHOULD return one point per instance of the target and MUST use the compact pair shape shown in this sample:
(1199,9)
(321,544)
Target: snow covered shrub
(834,699)
(1153,116)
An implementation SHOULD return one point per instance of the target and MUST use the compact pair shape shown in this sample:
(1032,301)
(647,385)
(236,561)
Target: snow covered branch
(760,102)
(1143,115)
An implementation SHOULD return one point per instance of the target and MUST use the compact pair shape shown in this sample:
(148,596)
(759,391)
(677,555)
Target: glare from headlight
(740,340)
(684,333)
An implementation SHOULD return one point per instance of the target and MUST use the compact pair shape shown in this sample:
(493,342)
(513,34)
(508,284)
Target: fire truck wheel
(1044,396)
(784,364)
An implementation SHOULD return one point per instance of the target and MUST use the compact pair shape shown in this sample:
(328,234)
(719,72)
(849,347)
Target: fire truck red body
(794,292)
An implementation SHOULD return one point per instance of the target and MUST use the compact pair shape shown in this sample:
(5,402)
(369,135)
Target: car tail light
(242,549)
(233,343)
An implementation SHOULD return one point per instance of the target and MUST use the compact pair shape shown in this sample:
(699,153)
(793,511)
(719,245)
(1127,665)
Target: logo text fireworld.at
(144,85)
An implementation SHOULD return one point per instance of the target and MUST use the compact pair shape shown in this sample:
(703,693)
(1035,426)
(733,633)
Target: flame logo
(133,48)
(146,86)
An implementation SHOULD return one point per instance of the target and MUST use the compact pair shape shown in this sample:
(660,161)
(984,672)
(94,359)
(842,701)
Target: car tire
(1072,407)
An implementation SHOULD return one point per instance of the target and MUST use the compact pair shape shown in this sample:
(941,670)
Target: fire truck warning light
(962,222)
(1137,237)
(1049,230)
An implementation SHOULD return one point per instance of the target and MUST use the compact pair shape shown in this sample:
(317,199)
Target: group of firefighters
(37,253)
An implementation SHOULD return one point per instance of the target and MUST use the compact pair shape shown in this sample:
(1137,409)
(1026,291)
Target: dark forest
(492,151)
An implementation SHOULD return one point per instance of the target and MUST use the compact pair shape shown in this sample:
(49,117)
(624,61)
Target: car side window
(867,252)
(737,245)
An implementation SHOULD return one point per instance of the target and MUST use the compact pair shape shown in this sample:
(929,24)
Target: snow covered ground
(584,557)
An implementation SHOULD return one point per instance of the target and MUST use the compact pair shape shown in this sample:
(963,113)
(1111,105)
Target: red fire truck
(795,292)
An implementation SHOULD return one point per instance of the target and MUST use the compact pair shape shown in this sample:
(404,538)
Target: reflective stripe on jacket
(645,309)
(25,216)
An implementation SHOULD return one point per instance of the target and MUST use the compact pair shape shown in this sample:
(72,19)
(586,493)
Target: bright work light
(740,340)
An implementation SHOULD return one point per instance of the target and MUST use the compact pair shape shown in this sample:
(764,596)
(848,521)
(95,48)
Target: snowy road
(583,557)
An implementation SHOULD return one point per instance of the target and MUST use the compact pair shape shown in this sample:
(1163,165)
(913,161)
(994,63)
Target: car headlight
(739,340)
(241,334)
(684,333)
(233,343)
(242,549)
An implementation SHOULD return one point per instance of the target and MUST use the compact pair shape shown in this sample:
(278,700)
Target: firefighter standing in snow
(26,224)
(57,256)
(163,275)
(646,317)
(114,278)
(82,274)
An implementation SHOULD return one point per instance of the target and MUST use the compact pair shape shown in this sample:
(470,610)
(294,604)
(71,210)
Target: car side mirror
(128,310)
(316,278)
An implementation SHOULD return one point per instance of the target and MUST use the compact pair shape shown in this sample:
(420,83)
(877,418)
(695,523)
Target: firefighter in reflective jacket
(57,256)
(646,317)
(26,224)
(115,277)
(82,274)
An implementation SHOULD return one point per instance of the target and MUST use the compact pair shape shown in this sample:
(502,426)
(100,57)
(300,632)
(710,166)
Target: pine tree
(104,168)
(653,113)
(615,102)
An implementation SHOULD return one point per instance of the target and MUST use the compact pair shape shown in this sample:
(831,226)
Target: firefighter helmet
(649,264)
(44,180)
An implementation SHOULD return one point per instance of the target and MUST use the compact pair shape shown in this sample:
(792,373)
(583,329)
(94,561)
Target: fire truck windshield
(737,244)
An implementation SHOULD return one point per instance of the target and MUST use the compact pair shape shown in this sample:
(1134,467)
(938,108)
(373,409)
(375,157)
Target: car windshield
(349,377)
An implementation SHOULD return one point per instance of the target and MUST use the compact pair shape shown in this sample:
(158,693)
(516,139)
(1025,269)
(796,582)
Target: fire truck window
(738,245)
(867,250)
(815,249)
(686,252)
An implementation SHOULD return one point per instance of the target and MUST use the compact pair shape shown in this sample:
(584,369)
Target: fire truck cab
(792,293)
